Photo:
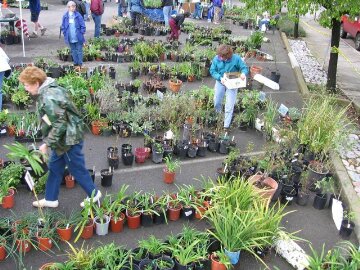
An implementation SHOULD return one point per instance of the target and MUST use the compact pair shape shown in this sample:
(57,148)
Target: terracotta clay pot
(44,243)
(169,177)
(9,200)
(255,70)
(64,234)
(97,125)
(133,222)
(269,182)
(215,264)
(23,246)
(69,181)
(117,226)
(200,212)
(88,230)
(2,251)
(175,86)
(174,213)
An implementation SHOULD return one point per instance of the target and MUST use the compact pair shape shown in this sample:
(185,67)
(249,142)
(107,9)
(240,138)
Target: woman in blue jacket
(135,8)
(73,27)
(225,61)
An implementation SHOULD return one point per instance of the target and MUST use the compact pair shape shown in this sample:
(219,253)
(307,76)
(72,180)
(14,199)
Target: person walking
(62,128)
(35,8)
(5,71)
(97,9)
(135,9)
(197,11)
(217,10)
(225,61)
(73,27)
(175,23)
(122,8)
(167,8)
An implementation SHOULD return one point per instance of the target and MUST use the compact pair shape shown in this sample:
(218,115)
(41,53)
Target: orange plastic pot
(175,86)
(11,130)
(215,264)
(97,125)
(169,177)
(133,222)
(255,70)
(64,234)
(200,212)
(117,226)
(268,181)
(174,213)
(44,243)
(88,230)
(23,246)
(2,251)
(9,200)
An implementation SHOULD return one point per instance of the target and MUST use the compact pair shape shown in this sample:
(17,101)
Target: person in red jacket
(175,23)
(97,9)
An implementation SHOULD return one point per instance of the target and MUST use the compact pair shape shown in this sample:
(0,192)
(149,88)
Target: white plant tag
(188,213)
(262,96)
(259,124)
(29,180)
(337,212)
(283,110)
(159,95)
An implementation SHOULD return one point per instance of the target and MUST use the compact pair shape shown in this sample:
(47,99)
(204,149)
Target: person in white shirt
(5,71)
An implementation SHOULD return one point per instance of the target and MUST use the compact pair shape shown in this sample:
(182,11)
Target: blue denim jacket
(219,66)
(79,24)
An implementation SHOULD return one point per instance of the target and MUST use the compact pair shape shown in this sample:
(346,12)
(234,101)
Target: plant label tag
(188,213)
(283,110)
(46,119)
(29,180)
(337,212)
(262,96)
(159,95)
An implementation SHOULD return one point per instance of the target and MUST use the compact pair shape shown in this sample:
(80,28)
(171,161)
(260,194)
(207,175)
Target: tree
(331,17)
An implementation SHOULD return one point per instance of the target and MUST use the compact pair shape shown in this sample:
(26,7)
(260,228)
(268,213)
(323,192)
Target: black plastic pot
(275,76)
(243,126)
(113,157)
(168,259)
(168,151)
(106,178)
(202,265)
(346,228)
(127,159)
(202,151)
(277,193)
(213,145)
(157,156)
(288,196)
(147,220)
(214,245)
(187,213)
(302,198)
(179,266)
(159,219)
(192,151)
(144,256)
(224,147)
(181,150)
(320,201)
(146,262)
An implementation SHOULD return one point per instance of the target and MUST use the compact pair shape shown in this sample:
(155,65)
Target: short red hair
(32,75)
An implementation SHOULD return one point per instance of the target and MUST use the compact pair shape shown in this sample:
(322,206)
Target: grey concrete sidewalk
(348,74)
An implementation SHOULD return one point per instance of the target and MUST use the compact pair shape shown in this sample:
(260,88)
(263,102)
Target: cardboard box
(233,81)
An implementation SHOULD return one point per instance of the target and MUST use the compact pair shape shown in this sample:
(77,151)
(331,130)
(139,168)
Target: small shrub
(286,25)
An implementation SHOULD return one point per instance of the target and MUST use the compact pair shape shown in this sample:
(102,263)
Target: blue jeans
(167,14)
(86,15)
(97,21)
(121,10)
(197,12)
(77,53)
(230,99)
(74,159)
(2,73)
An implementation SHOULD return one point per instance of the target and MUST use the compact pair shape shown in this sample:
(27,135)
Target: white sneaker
(209,20)
(45,203)
(95,199)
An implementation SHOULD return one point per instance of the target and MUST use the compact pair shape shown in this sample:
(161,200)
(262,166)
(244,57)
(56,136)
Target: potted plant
(133,211)
(171,165)
(65,224)
(116,209)
(220,261)
(184,255)
(138,254)
(9,180)
(46,234)
(157,152)
(146,201)
(164,263)
(304,192)
(347,225)
(174,207)
(101,220)
(175,85)
(154,246)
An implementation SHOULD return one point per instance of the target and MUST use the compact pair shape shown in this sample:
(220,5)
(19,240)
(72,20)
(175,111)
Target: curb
(348,193)
(345,184)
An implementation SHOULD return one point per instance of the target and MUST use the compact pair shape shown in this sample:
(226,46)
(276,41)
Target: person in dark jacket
(97,9)
(73,27)
(62,128)
(217,10)
(167,8)
(175,23)
(122,8)
(135,8)
(35,8)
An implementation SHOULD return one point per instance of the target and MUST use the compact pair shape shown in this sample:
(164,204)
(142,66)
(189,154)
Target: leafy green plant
(171,164)
(20,97)
(153,245)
